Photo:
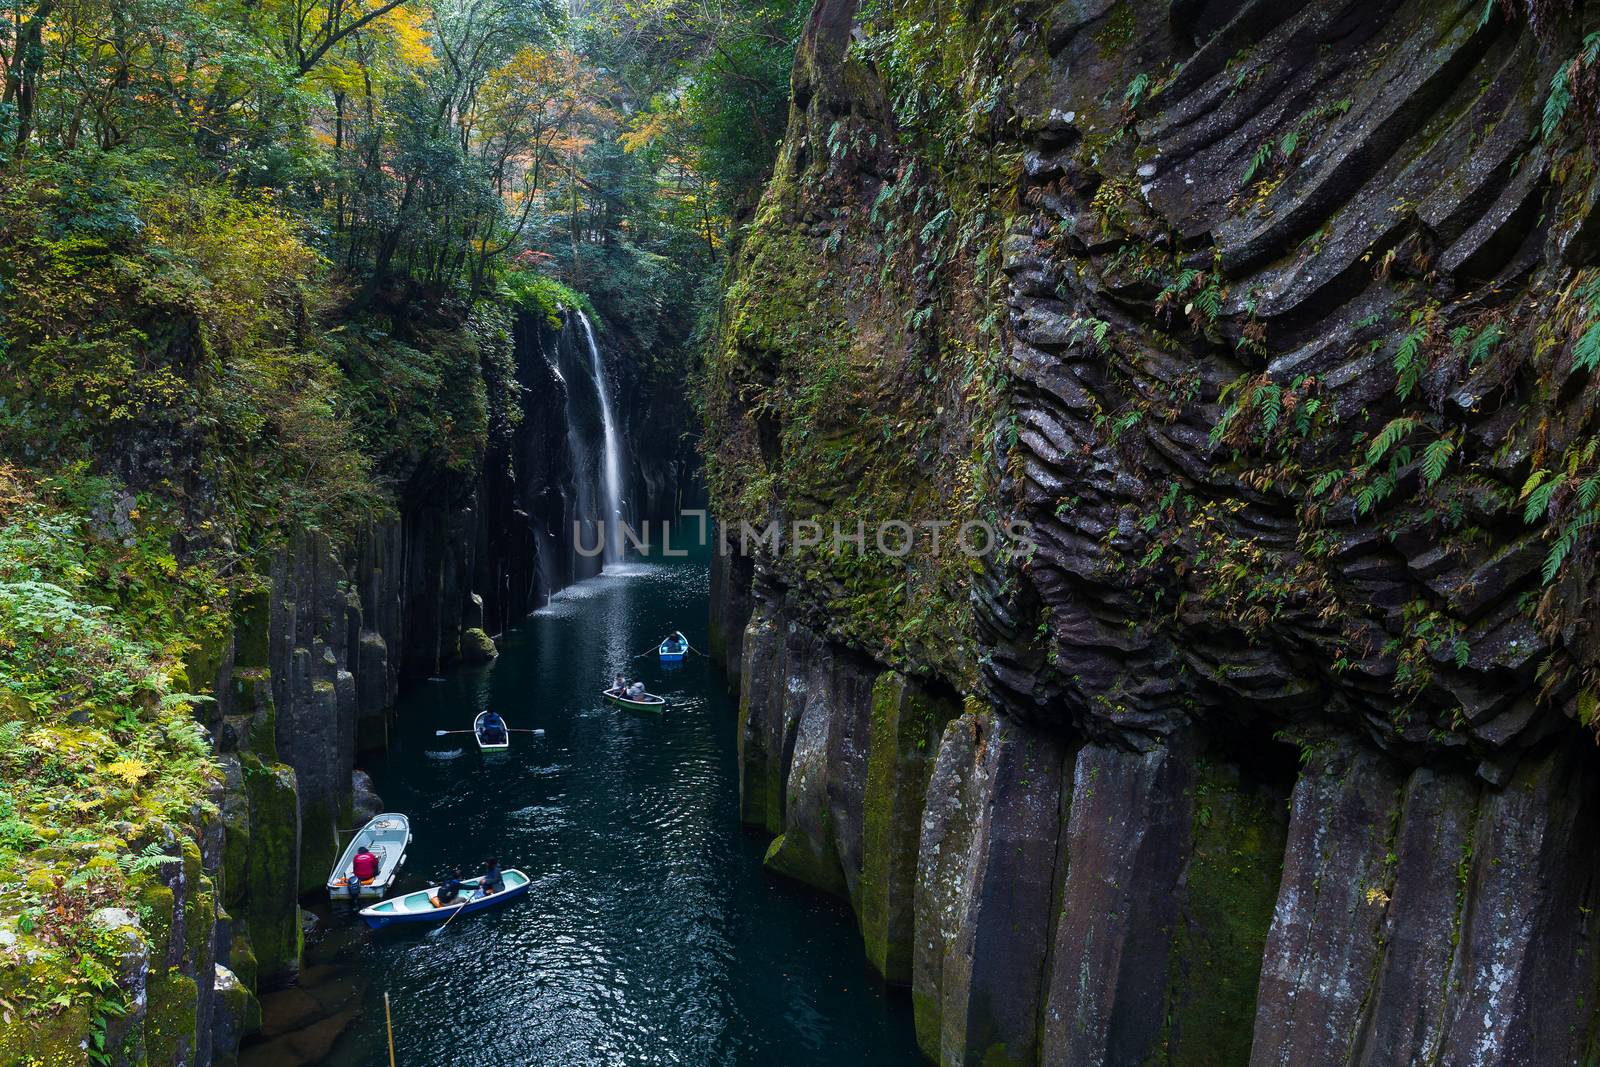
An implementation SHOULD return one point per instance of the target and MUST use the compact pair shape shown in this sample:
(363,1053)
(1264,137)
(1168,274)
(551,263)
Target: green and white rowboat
(647,702)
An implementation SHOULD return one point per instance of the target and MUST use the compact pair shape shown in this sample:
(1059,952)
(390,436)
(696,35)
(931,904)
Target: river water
(652,934)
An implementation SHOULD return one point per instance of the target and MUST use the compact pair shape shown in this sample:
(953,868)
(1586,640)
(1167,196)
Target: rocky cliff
(302,680)
(1276,323)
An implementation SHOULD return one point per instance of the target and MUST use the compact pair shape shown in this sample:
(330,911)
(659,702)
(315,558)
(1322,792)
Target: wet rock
(1404,1020)
(477,647)
(763,766)
(907,723)
(807,849)
(1527,940)
(237,1013)
(956,788)
(367,802)
(1127,834)
(1324,945)
(990,985)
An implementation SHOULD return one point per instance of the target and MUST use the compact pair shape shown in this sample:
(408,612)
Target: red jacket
(366,865)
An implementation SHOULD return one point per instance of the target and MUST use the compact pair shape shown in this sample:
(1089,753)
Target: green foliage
(1559,97)
(98,746)
(538,293)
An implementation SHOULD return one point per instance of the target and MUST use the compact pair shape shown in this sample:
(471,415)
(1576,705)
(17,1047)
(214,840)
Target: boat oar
(459,909)
(516,730)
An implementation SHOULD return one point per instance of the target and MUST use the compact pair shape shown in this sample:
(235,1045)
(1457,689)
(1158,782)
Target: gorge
(1273,326)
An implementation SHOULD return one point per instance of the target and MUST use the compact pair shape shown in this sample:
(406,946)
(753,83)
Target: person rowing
(449,891)
(493,730)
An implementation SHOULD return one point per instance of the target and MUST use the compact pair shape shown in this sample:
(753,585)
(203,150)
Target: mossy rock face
(253,706)
(905,727)
(477,646)
(271,910)
(236,1013)
(169,1026)
(242,958)
(252,617)
(157,908)
(204,662)
(1231,891)
(52,1040)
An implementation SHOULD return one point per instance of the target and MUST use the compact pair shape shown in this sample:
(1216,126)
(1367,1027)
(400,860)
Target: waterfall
(611,454)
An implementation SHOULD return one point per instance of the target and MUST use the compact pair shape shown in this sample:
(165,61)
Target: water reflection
(652,935)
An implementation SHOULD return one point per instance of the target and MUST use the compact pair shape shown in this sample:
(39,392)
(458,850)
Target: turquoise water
(651,935)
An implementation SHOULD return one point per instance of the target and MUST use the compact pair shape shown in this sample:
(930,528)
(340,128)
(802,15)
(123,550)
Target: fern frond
(1391,435)
(1436,457)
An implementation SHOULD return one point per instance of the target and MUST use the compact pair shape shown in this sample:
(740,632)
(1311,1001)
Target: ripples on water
(651,934)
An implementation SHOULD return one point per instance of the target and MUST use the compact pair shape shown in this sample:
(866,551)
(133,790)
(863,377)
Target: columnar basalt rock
(1285,330)
(1128,833)
(907,723)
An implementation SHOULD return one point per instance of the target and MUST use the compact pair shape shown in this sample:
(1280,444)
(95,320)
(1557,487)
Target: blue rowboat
(673,648)
(418,907)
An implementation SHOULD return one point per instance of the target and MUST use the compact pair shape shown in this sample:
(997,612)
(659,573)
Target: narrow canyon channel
(652,934)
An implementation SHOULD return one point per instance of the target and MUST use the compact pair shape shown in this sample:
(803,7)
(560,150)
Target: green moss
(252,619)
(1000,1056)
(793,856)
(203,662)
(1118,31)
(252,695)
(477,646)
(271,910)
(904,730)
(242,958)
(156,911)
(169,1025)
(51,1040)
(1232,889)
(929,1021)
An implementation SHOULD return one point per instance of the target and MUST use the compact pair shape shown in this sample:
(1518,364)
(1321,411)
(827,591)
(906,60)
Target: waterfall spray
(611,459)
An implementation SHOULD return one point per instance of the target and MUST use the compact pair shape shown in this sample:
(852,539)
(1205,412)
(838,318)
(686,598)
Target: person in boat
(493,879)
(676,643)
(618,685)
(449,891)
(364,867)
(635,691)
(493,729)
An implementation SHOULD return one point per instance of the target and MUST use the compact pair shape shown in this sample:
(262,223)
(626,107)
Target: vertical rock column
(762,763)
(1126,842)
(984,896)
(906,725)
(1324,944)
(261,815)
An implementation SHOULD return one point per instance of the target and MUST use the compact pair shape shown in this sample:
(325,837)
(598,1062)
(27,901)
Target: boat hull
(413,909)
(655,706)
(477,735)
(388,835)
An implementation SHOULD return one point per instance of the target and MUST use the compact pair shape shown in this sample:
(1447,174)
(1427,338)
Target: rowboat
(673,647)
(648,702)
(387,835)
(487,746)
(418,907)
